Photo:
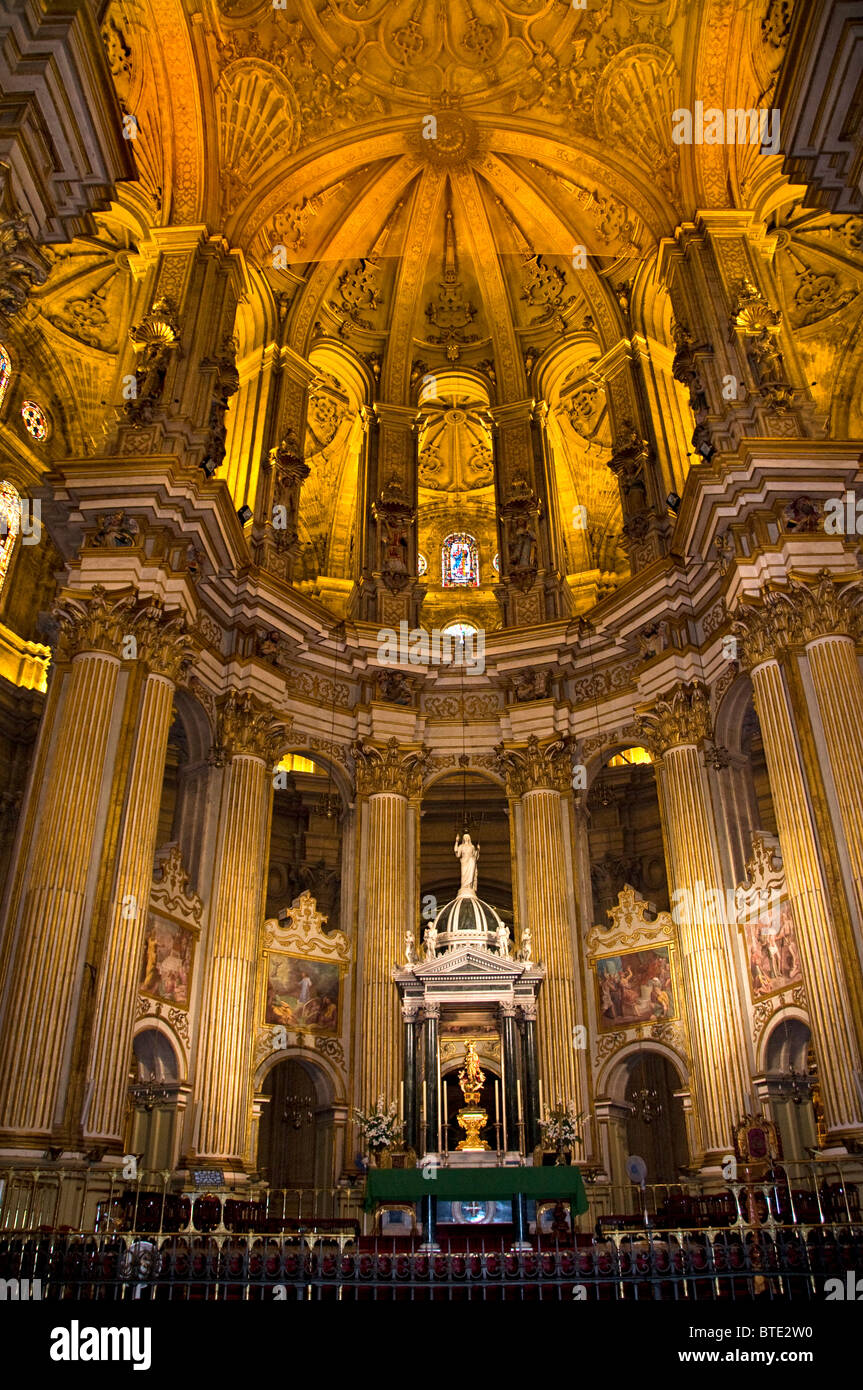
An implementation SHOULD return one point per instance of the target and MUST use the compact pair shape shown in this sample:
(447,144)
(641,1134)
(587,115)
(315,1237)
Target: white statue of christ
(468,853)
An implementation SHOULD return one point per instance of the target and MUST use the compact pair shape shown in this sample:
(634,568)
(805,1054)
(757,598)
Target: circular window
(422,563)
(35,421)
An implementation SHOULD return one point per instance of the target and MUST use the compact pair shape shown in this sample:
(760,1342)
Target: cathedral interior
(431,619)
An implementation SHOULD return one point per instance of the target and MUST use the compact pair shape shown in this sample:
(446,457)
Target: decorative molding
(683,717)
(536,766)
(300,931)
(170,892)
(248,727)
(388,769)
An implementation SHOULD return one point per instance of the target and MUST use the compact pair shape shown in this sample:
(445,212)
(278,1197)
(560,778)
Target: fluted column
(675,729)
(164,648)
(248,742)
(827,955)
(829,621)
(387,778)
(47,966)
(540,775)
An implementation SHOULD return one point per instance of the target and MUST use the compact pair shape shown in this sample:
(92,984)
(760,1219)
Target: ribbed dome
(467,915)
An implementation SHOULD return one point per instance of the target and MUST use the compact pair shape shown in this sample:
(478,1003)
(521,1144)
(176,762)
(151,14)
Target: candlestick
(518,1097)
(438,1105)
(497,1102)
(540,1098)
(401,1102)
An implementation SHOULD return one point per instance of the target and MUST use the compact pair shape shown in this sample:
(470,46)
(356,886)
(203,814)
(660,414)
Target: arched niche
(790,1076)
(663,1142)
(744,787)
(446,799)
(156,1097)
(184,799)
(311,836)
(295,1131)
(624,833)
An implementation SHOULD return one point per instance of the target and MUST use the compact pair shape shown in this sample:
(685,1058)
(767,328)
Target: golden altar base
(472,1119)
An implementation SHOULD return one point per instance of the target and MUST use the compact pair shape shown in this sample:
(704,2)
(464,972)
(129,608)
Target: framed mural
(170,935)
(772,957)
(302,970)
(635,987)
(166,963)
(765,918)
(303,993)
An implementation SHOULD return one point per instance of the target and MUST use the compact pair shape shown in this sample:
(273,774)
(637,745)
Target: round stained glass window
(35,421)
(495,564)
(422,563)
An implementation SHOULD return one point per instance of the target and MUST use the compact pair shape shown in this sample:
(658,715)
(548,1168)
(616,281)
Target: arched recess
(452,1101)
(789,1065)
(624,836)
(185,784)
(670,410)
(662,1143)
(584,497)
(296,1141)
(743,786)
(156,1096)
(311,837)
(331,513)
(452,802)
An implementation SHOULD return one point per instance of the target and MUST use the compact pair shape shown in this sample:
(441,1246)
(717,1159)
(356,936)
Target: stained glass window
(35,421)
(422,563)
(495,564)
(10,525)
(5,373)
(460,561)
(460,629)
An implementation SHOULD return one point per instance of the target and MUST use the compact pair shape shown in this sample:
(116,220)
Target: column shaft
(510,1078)
(225,1038)
(431,1043)
(410,1083)
(111,1039)
(718,1054)
(549,920)
(386,916)
(46,966)
(833,1033)
(531,1096)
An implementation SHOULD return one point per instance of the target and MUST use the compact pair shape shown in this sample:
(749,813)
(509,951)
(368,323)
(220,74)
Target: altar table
(561,1183)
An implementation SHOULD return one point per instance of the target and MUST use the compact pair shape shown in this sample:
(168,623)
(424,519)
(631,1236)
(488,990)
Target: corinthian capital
(682,718)
(535,767)
(164,643)
(95,621)
(389,769)
(795,614)
(248,727)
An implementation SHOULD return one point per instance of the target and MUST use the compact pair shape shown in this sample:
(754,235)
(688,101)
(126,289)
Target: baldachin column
(675,729)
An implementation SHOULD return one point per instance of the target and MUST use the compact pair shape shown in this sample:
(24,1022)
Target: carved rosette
(388,769)
(248,728)
(537,767)
(682,718)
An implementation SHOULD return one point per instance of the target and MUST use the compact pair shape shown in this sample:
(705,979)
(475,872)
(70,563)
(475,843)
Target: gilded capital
(95,621)
(795,614)
(538,766)
(681,718)
(388,769)
(164,644)
(247,727)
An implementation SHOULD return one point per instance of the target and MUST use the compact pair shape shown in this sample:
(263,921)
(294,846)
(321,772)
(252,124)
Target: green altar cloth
(476,1184)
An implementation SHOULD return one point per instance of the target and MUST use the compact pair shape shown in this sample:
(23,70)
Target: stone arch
(302,1154)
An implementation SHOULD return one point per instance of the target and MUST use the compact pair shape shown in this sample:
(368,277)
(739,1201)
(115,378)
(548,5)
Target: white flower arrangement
(560,1126)
(379,1127)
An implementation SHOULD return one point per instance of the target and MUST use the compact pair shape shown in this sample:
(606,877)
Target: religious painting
(166,963)
(635,987)
(772,955)
(302,993)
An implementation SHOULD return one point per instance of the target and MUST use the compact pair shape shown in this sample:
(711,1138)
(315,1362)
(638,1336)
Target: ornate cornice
(794,615)
(538,766)
(388,769)
(683,717)
(247,727)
